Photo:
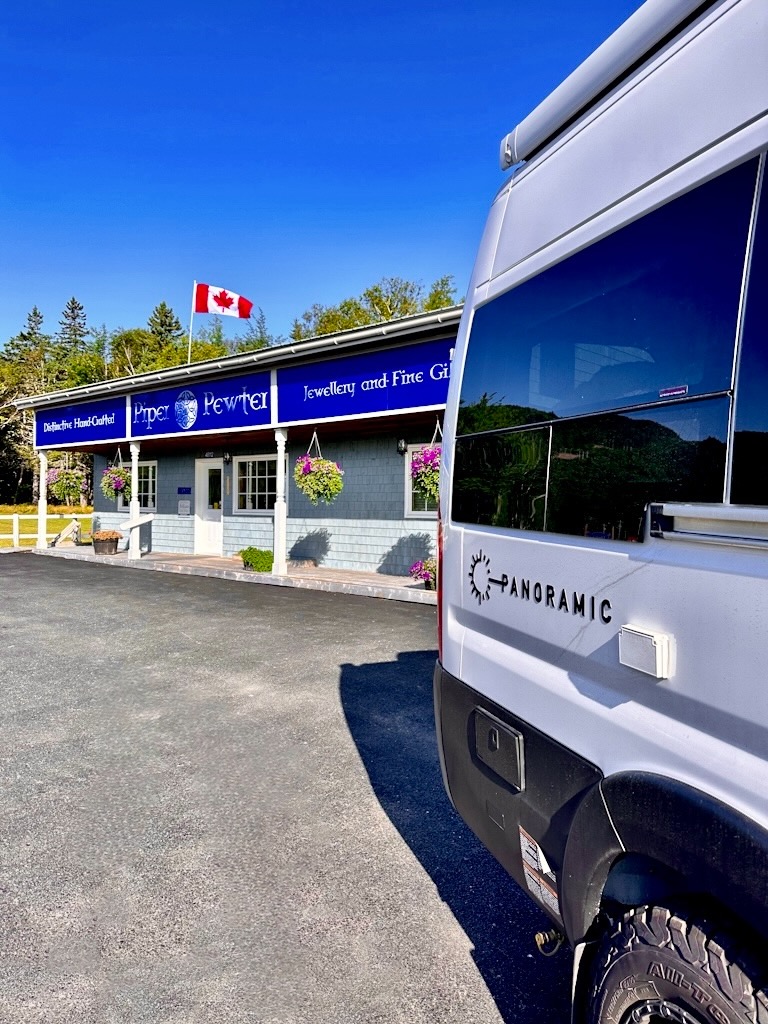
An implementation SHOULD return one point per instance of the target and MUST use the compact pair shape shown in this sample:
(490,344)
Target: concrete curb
(364,588)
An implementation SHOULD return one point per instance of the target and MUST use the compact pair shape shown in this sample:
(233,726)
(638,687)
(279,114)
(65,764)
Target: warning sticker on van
(678,392)
(539,877)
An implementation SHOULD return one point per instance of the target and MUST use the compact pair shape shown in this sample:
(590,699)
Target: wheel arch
(638,837)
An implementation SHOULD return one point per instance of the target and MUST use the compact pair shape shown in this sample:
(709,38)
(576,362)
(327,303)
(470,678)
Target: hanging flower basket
(116,480)
(318,478)
(425,470)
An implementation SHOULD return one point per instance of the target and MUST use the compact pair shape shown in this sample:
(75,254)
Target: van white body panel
(531,619)
(706,725)
(689,98)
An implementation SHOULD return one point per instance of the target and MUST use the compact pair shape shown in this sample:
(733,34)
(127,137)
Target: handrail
(714,538)
(742,526)
(16,517)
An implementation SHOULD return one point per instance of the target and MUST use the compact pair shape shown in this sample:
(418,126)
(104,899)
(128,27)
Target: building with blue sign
(211,446)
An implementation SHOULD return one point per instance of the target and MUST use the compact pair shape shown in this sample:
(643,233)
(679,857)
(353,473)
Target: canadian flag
(211,299)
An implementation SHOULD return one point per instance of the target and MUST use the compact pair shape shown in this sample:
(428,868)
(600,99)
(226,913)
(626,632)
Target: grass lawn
(58,517)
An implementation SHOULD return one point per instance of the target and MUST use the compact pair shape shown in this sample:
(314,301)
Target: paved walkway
(308,577)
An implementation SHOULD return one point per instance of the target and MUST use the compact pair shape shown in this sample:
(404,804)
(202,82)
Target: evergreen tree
(165,326)
(29,358)
(256,335)
(28,366)
(73,329)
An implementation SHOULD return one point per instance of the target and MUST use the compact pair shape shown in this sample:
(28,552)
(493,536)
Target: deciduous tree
(390,298)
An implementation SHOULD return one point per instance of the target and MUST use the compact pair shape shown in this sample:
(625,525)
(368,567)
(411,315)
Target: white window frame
(237,459)
(410,512)
(124,505)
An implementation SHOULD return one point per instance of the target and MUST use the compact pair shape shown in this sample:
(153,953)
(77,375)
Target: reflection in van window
(593,476)
(647,314)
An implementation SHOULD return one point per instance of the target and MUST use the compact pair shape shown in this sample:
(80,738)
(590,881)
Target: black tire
(657,965)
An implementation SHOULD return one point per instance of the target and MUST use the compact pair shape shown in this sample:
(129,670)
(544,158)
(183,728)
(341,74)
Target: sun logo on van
(480,577)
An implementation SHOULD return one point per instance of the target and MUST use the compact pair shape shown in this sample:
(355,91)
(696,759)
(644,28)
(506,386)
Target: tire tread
(738,981)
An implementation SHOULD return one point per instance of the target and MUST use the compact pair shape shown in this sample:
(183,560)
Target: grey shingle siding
(364,528)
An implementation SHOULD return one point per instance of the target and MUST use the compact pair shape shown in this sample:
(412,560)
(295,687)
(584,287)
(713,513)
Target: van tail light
(439,587)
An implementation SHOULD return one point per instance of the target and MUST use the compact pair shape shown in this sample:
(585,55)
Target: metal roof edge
(263,358)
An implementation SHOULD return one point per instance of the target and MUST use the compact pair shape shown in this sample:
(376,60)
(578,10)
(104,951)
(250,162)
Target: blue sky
(294,152)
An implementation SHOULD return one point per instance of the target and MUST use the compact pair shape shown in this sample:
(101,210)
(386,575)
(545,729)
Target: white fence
(15,535)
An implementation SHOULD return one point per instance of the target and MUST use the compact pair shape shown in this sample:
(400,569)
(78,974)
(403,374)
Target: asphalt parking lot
(222,803)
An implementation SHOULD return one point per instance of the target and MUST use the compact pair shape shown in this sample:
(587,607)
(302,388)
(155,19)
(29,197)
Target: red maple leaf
(223,300)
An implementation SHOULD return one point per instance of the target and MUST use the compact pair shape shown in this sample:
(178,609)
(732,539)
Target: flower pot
(429,584)
(105,547)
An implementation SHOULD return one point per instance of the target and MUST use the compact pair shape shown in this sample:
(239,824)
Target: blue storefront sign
(104,420)
(410,377)
(231,404)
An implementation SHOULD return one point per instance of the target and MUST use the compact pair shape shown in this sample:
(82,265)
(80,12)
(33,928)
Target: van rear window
(605,382)
(647,314)
(593,476)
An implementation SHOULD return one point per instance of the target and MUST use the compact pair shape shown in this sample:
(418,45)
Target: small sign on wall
(185,507)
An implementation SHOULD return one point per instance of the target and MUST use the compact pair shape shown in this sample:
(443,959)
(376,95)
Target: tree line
(35,362)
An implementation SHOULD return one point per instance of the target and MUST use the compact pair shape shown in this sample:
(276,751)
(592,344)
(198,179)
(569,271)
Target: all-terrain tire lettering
(659,959)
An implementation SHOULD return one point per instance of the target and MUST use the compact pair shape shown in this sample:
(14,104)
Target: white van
(601,694)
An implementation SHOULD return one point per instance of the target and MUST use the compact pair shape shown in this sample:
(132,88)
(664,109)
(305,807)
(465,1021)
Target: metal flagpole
(191,317)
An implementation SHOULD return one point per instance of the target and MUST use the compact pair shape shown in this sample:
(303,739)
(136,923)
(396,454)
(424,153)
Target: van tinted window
(646,314)
(593,476)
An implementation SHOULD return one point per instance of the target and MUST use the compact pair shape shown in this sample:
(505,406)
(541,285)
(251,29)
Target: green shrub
(257,559)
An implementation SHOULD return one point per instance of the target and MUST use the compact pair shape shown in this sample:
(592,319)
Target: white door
(209,531)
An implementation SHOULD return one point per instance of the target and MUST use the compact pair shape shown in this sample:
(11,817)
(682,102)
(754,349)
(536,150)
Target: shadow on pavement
(388,707)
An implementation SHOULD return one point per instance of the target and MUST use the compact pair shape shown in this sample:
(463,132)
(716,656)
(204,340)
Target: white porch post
(280,543)
(42,502)
(134,541)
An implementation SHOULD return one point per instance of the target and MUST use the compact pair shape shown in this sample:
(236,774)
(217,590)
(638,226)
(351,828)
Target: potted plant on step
(105,541)
(426,570)
(257,559)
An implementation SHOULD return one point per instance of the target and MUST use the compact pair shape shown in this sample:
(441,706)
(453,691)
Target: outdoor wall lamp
(402,446)
(227,458)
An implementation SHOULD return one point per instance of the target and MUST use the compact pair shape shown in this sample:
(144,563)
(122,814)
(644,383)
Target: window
(417,504)
(147,493)
(256,484)
(647,314)
(605,382)
(593,476)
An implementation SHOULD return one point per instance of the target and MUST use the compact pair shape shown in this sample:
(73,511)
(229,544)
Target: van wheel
(656,965)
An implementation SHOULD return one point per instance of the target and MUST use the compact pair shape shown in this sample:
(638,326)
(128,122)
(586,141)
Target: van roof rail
(632,41)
